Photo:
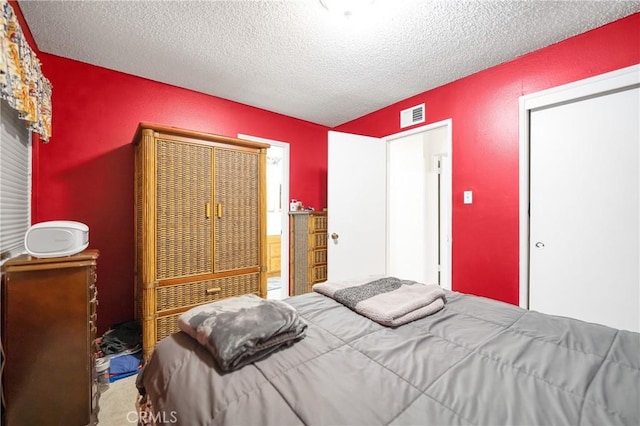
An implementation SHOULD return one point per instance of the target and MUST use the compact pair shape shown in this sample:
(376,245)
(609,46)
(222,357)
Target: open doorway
(277,217)
(418,205)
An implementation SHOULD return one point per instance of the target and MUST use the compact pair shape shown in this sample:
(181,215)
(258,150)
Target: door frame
(284,202)
(592,86)
(446,241)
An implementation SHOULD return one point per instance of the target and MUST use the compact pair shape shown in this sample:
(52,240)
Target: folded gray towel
(241,330)
(386,300)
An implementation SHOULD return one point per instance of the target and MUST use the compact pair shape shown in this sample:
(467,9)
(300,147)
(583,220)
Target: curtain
(22,83)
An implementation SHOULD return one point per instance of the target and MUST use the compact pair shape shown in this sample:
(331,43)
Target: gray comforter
(476,361)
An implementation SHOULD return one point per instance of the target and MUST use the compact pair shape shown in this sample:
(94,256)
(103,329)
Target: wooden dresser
(308,250)
(48,334)
(200,223)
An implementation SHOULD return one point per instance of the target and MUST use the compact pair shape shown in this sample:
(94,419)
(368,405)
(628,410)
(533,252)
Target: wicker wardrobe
(200,223)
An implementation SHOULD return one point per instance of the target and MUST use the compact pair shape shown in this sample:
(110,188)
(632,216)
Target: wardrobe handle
(219,210)
(207,210)
(214,290)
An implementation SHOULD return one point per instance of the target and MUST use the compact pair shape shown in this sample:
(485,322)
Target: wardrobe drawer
(205,291)
(166,326)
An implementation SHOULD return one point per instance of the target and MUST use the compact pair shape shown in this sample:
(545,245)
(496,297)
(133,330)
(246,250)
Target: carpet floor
(118,403)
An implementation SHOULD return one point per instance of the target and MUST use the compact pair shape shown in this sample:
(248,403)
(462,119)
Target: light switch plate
(468,197)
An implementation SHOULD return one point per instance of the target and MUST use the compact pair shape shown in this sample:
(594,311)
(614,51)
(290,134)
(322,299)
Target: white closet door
(584,207)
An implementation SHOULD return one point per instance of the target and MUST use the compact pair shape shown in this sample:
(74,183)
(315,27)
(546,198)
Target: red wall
(484,112)
(85,172)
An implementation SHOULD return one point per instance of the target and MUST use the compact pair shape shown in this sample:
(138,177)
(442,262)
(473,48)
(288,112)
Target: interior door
(584,207)
(356,186)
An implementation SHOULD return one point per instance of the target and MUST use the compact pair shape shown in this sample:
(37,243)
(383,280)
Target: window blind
(15,181)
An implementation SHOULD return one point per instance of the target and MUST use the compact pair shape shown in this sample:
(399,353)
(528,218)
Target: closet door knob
(334,236)
(540,244)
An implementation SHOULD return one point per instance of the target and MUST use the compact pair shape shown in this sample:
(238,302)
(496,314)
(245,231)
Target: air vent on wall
(411,116)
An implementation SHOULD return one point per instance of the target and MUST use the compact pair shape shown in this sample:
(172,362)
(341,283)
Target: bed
(477,361)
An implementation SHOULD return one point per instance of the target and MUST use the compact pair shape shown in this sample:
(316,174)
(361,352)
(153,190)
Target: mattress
(475,362)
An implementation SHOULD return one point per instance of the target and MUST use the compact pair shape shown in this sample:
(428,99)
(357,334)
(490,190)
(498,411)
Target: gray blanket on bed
(388,301)
(477,362)
(241,330)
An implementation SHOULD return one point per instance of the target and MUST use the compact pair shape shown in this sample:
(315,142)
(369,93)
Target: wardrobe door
(183,218)
(237,223)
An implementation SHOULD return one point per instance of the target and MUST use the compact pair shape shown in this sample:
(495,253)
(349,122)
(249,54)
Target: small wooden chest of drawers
(48,333)
(308,250)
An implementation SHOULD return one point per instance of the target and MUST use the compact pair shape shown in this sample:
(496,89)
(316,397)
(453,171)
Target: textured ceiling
(295,58)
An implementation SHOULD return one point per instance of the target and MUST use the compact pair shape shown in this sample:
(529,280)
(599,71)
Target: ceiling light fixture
(346,8)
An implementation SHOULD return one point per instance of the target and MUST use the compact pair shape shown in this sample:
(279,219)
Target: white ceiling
(295,58)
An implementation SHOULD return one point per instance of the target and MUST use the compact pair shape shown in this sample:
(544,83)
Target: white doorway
(386,217)
(277,216)
(419,188)
(581,157)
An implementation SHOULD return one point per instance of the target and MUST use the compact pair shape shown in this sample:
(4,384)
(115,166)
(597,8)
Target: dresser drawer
(318,257)
(93,307)
(199,292)
(317,240)
(318,274)
(318,223)
(93,277)
(93,292)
